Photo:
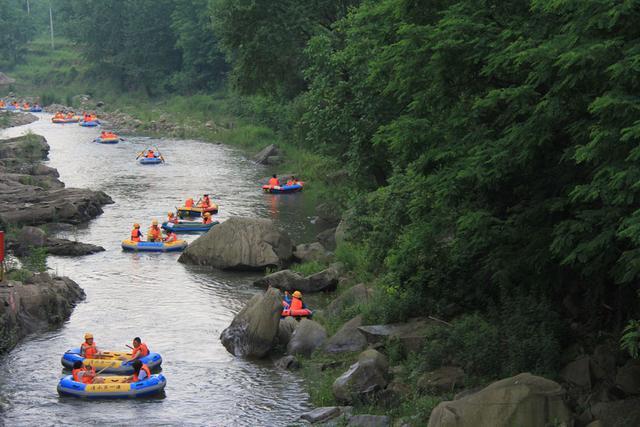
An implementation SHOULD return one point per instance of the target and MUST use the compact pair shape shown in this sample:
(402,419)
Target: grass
(308,268)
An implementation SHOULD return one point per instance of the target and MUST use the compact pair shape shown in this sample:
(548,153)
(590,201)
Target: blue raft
(90,124)
(282,189)
(112,388)
(176,246)
(188,226)
(150,160)
(35,109)
(111,363)
(106,140)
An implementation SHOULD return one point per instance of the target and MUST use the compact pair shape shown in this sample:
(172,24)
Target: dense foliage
(18,28)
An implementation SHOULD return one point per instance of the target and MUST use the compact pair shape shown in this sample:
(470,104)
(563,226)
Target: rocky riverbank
(10,119)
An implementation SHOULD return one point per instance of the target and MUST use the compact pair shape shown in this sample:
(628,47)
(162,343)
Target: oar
(111,365)
(139,154)
(159,154)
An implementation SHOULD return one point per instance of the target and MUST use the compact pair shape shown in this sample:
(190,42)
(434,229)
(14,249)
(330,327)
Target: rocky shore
(11,119)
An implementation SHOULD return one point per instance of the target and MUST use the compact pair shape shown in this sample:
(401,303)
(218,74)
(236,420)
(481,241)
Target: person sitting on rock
(171,218)
(273,181)
(136,234)
(89,349)
(171,236)
(141,372)
(206,218)
(155,234)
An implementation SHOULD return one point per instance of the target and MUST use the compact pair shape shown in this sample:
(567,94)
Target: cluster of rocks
(33,237)
(36,304)
(12,118)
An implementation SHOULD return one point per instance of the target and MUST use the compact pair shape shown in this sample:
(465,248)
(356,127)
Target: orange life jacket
(88,379)
(296,304)
(154,232)
(188,203)
(273,182)
(142,349)
(171,237)
(143,368)
(207,220)
(135,235)
(69,116)
(75,373)
(88,351)
(150,154)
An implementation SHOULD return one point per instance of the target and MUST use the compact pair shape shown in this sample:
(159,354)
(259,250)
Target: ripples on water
(178,310)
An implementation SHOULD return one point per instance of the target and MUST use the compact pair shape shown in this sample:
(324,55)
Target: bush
(308,268)
(19,275)
(37,260)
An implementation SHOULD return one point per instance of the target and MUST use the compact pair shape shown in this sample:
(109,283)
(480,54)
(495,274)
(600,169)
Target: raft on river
(90,124)
(177,246)
(111,361)
(150,160)
(63,120)
(113,387)
(113,140)
(282,189)
(196,211)
(188,226)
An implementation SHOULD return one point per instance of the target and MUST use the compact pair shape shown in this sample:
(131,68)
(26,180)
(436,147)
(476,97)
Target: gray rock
(604,361)
(328,213)
(307,337)
(327,239)
(253,330)
(265,153)
(273,160)
(306,252)
(578,372)
(285,280)
(628,378)
(240,244)
(356,295)
(442,380)
(348,338)
(319,415)
(621,413)
(369,421)
(32,236)
(524,400)
(323,281)
(288,363)
(364,378)
(412,335)
(285,329)
(64,247)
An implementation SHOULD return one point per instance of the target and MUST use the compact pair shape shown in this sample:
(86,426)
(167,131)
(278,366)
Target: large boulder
(348,338)
(578,372)
(442,380)
(264,154)
(323,281)
(358,294)
(253,330)
(306,252)
(411,335)
(32,237)
(240,244)
(287,363)
(285,329)
(364,378)
(285,280)
(628,378)
(327,239)
(369,421)
(306,338)
(621,413)
(524,400)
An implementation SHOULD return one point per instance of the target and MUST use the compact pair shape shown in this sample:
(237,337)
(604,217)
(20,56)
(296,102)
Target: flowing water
(178,310)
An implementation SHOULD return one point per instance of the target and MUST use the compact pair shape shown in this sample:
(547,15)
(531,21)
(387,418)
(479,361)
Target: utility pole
(51,23)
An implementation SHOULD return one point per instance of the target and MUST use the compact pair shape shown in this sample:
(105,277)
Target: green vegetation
(309,267)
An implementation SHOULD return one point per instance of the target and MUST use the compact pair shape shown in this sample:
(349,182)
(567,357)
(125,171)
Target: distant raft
(150,160)
(111,361)
(177,246)
(90,124)
(63,120)
(188,226)
(113,140)
(185,212)
(282,189)
(113,387)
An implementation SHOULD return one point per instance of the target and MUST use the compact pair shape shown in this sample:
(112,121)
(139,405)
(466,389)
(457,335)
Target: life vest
(188,203)
(87,375)
(69,116)
(207,220)
(142,349)
(150,154)
(171,237)
(174,220)
(144,368)
(75,373)
(154,232)
(88,351)
(135,235)
(273,182)
(296,304)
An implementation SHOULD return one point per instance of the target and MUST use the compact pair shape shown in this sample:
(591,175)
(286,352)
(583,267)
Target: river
(178,310)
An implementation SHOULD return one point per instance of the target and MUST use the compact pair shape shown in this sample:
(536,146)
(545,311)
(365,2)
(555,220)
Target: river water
(178,310)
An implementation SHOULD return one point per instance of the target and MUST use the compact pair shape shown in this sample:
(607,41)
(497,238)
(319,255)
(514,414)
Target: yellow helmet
(297,294)
(88,335)
(136,225)
(154,222)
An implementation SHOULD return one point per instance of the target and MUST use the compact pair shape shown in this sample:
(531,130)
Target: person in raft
(188,203)
(273,181)
(89,349)
(150,154)
(171,236)
(155,234)
(140,349)
(172,218)
(297,304)
(107,135)
(286,302)
(141,372)
(205,203)
(292,181)
(85,374)
(206,218)
(136,234)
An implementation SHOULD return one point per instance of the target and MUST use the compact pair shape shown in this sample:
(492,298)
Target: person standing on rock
(136,234)
(155,234)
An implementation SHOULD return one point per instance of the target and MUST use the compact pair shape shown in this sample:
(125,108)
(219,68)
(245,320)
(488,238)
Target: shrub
(37,260)
(308,268)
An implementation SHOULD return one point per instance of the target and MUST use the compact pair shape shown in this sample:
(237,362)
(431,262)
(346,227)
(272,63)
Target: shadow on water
(178,310)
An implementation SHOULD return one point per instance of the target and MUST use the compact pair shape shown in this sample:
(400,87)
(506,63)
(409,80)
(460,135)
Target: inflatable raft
(176,246)
(66,120)
(92,123)
(184,211)
(113,387)
(304,312)
(100,140)
(111,360)
(281,189)
(188,226)
(35,110)
(150,160)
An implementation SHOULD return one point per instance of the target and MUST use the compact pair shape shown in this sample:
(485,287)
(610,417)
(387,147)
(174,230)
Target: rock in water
(307,337)
(253,330)
(240,244)
(38,305)
(524,400)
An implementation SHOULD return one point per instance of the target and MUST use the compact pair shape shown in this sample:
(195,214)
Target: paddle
(139,154)
(159,154)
